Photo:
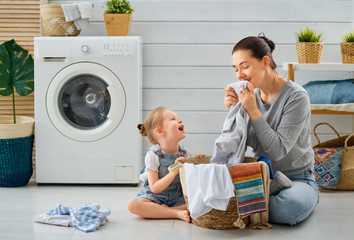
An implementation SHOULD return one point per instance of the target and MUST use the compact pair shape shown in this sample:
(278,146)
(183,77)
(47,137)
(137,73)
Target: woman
(279,127)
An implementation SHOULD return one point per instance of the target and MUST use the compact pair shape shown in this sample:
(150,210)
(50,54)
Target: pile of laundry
(87,218)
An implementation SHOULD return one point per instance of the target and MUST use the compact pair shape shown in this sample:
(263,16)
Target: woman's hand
(230,97)
(200,156)
(247,98)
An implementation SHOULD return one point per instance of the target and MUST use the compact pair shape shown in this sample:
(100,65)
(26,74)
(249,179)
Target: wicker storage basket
(215,219)
(53,22)
(336,142)
(347,50)
(15,161)
(346,177)
(309,52)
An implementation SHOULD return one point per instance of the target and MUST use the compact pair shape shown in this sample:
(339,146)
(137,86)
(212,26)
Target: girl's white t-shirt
(152,162)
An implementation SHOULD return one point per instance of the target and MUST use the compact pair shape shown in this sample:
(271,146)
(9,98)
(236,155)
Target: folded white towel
(81,23)
(80,13)
(71,12)
(86,9)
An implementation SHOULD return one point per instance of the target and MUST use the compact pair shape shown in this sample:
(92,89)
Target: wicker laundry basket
(347,50)
(215,219)
(309,52)
(53,22)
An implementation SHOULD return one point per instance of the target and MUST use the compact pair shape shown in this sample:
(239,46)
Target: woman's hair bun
(269,42)
(141,128)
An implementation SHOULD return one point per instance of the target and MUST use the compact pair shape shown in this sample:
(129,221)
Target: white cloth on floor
(209,186)
(60,220)
(87,218)
(230,146)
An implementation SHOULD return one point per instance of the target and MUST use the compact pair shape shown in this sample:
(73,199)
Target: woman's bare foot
(184,215)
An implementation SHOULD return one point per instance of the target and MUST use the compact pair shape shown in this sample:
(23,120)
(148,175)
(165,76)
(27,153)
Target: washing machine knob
(85,49)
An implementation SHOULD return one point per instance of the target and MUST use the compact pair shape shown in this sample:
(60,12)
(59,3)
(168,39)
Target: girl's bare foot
(184,215)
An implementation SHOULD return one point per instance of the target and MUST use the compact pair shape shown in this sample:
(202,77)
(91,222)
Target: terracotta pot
(117,24)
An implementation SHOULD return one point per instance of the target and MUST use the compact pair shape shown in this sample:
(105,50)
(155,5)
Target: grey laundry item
(71,12)
(230,146)
(79,13)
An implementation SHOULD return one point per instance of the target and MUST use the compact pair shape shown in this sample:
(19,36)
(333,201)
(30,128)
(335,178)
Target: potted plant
(309,46)
(16,132)
(347,47)
(117,17)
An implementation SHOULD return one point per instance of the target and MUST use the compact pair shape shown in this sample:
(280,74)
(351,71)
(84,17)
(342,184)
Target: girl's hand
(230,97)
(181,159)
(200,155)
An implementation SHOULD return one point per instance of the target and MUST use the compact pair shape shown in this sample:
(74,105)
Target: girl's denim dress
(172,196)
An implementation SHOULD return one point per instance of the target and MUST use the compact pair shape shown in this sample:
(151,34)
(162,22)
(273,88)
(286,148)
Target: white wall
(187,53)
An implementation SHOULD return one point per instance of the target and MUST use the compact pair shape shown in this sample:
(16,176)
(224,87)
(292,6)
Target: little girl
(161,193)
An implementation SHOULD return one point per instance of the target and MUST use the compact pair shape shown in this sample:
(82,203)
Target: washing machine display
(87,106)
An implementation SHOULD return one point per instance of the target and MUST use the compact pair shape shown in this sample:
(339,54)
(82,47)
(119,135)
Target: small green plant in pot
(16,132)
(309,46)
(118,17)
(347,48)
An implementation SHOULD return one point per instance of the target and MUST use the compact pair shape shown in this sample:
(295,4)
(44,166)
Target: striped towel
(247,179)
(87,218)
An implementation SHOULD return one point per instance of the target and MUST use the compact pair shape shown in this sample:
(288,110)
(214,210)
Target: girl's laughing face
(173,126)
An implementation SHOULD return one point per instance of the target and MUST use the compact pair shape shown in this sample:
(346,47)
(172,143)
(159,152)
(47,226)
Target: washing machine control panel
(117,49)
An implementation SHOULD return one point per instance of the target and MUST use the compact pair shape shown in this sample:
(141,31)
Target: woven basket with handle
(346,178)
(53,22)
(309,52)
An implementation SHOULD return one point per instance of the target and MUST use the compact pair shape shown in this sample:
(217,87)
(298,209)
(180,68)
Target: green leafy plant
(348,37)
(118,7)
(308,35)
(16,71)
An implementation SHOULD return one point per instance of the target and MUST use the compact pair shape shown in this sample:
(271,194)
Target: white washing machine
(87,107)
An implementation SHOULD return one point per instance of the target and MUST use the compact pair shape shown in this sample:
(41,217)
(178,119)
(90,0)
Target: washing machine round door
(86,101)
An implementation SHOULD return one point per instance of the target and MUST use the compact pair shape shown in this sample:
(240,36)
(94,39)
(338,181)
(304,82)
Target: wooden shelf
(322,67)
(291,67)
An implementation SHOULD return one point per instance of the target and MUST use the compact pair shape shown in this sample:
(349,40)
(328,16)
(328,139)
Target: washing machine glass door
(86,101)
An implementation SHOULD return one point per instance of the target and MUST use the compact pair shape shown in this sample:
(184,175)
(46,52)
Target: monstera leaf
(16,71)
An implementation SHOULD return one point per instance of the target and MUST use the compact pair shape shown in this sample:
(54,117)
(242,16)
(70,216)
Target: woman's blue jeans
(293,205)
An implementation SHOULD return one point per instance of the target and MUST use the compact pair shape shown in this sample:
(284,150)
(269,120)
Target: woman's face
(248,68)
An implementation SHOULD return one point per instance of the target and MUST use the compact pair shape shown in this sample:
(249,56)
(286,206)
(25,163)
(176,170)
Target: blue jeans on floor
(293,205)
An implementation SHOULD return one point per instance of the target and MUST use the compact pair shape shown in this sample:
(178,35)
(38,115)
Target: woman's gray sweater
(283,132)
